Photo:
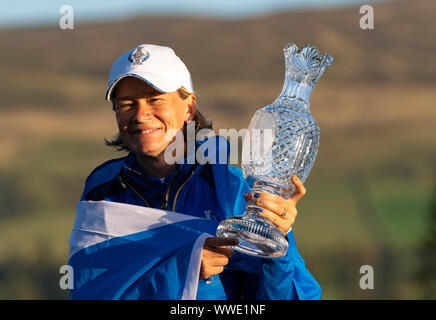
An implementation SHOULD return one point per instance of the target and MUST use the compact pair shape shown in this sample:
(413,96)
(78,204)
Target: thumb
(300,189)
(214,242)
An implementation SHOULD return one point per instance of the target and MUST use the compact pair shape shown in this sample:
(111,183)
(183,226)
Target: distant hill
(381,79)
(43,66)
(381,82)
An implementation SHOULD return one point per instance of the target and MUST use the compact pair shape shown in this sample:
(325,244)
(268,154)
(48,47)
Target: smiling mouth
(146,132)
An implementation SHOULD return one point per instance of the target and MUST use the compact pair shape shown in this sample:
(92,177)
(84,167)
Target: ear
(192,106)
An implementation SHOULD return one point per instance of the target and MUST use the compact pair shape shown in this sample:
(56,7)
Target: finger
(279,222)
(221,252)
(214,242)
(216,270)
(300,189)
(274,218)
(219,262)
(268,196)
(273,206)
(210,271)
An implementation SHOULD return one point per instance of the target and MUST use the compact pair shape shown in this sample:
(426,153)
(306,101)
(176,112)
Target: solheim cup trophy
(282,140)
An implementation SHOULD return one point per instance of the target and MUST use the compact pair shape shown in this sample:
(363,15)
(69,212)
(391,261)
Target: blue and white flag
(122,251)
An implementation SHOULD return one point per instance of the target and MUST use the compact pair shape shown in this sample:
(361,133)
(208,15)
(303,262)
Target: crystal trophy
(282,140)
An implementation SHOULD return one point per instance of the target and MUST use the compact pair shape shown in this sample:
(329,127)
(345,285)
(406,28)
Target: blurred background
(372,192)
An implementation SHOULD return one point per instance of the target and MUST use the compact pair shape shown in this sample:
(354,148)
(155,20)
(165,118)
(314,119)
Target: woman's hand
(216,255)
(282,212)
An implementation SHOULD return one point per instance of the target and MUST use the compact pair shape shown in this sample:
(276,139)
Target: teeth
(148,131)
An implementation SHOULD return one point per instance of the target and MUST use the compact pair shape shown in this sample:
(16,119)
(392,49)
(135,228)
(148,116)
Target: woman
(152,96)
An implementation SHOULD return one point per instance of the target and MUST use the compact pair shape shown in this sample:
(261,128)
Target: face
(148,119)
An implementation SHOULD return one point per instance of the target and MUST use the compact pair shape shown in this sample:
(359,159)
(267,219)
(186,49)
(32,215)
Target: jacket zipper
(180,189)
(125,184)
(165,205)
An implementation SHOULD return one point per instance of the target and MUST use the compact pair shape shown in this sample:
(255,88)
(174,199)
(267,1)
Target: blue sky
(34,12)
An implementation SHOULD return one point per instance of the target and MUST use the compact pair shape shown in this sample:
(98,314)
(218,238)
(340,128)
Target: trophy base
(257,236)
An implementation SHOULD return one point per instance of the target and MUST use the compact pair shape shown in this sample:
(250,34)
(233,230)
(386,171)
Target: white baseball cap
(157,65)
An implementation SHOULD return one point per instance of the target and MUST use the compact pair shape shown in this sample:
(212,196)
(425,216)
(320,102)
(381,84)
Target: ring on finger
(284,213)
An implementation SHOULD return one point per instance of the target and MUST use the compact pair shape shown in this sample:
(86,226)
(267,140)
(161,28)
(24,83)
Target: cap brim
(160,84)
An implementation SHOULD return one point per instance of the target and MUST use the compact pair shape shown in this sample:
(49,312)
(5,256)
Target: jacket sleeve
(284,278)
(100,184)
(287,278)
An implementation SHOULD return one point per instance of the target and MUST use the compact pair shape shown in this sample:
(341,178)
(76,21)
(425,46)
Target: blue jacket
(215,191)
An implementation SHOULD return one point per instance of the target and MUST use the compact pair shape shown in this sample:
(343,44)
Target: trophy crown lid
(306,65)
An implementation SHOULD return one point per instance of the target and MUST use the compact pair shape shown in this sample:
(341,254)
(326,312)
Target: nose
(143,112)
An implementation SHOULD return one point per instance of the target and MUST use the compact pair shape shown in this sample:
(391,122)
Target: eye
(155,100)
(124,106)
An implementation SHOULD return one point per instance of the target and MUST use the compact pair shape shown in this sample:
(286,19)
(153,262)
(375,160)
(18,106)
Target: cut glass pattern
(282,141)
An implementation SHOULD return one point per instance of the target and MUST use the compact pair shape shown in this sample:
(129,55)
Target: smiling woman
(144,253)
(147,117)
(201,122)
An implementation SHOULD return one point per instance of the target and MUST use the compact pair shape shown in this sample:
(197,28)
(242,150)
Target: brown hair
(200,123)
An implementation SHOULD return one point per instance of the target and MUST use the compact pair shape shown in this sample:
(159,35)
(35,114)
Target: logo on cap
(138,56)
